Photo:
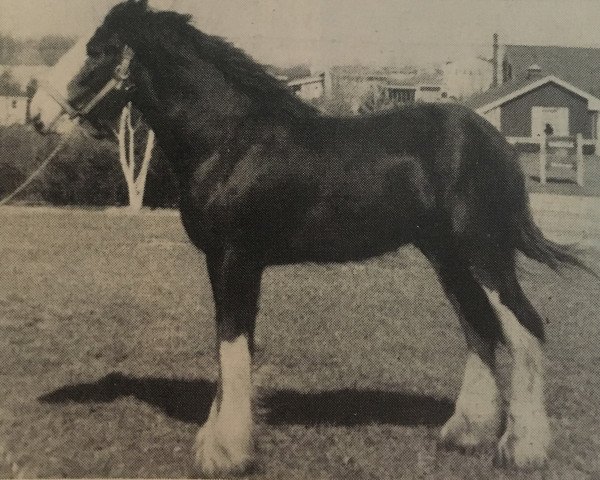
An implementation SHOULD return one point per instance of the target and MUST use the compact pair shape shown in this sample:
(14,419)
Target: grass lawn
(107,359)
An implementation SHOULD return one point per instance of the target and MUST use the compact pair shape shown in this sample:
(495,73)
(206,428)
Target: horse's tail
(532,242)
(506,200)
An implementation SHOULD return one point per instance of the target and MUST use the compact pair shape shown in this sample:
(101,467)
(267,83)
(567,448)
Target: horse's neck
(192,119)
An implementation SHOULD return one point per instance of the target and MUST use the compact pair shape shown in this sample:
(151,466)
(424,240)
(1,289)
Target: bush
(22,147)
(372,103)
(10,178)
(335,106)
(86,173)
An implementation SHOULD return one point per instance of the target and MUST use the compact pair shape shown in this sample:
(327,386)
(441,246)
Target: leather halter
(117,82)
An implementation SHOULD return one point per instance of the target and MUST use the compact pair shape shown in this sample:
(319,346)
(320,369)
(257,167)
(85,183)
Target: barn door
(556,117)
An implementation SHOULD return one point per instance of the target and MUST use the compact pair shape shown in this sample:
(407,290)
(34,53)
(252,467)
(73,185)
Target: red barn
(545,87)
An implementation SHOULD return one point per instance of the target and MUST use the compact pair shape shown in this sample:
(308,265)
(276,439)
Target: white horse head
(82,79)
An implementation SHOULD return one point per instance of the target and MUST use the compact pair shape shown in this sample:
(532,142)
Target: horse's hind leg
(224,443)
(477,418)
(525,442)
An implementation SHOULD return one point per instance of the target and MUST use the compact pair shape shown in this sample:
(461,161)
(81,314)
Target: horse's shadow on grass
(189,401)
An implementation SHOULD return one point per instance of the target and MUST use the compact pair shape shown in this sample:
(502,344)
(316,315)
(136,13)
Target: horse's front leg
(224,443)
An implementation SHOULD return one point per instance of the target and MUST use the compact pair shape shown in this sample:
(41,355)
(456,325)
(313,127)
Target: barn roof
(11,91)
(577,66)
(306,80)
(494,97)
(481,99)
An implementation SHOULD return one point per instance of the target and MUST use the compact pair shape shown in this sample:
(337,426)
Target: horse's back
(348,189)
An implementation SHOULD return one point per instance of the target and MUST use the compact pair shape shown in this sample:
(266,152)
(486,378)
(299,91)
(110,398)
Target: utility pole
(495,62)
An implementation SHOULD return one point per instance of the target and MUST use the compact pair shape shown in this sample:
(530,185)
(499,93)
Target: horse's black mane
(171,34)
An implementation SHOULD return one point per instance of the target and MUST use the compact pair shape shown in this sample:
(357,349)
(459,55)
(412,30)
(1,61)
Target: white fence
(558,152)
(568,145)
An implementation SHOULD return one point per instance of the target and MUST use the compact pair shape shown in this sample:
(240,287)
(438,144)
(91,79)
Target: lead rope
(37,171)
(117,82)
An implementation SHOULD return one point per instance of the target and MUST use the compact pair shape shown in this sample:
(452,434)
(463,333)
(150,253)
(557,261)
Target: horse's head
(92,82)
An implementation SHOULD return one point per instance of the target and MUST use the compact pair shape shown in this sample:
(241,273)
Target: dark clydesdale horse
(265,180)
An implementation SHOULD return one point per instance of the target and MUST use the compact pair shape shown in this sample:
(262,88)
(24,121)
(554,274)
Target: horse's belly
(331,234)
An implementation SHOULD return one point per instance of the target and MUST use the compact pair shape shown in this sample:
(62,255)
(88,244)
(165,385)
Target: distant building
(523,108)
(22,70)
(15,82)
(307,82)
(578,66)
(13,106)
(308,88)
(421,87)
(24,74)
(13,91)
(548,88)
(351,81)
(467,76)
(403,85)
(26,65)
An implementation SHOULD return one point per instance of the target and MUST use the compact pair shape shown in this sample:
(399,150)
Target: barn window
(14,104)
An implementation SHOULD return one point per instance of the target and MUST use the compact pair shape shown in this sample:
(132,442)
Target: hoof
(219,456)
(525,448)
(459,433)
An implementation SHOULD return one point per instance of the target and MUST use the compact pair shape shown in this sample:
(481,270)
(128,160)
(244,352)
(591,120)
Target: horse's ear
(136,8)
(138,4)
(126,12)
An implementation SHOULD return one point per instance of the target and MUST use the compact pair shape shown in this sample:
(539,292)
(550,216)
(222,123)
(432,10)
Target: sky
(333,32)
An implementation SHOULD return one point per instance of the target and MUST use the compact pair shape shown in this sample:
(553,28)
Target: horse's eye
(93,52)
(111,50)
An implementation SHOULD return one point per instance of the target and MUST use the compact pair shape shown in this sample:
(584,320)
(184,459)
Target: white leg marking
(235,413)
(477,416)
(224,443)
(527,438)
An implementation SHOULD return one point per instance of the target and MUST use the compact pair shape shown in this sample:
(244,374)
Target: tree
(53,47)
(84,173)
(30,90)
(135,172)
(8,49)
(10,178)
(8,86)
(333,104)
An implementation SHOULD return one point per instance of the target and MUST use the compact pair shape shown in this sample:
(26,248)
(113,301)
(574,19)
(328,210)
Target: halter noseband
(117,82)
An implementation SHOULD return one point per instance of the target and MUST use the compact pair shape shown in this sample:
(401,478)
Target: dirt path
(568,219)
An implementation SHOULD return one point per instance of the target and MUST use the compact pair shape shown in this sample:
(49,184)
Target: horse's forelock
(130,7)
(172,42)
(128,13)
(134,18)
